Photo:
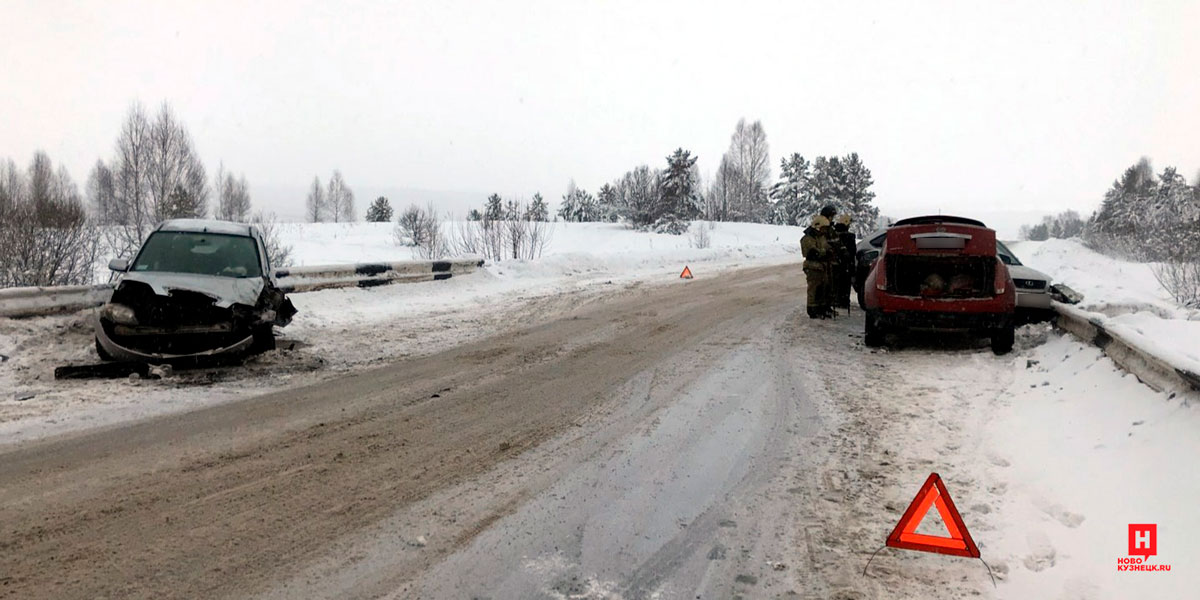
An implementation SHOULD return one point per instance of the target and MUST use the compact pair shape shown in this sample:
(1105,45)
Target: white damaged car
(1033,286)
(196,288)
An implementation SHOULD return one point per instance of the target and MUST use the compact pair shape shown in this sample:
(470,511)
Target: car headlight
(119,313)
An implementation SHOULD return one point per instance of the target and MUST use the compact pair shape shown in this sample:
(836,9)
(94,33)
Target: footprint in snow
(1041,553)
(1063,516)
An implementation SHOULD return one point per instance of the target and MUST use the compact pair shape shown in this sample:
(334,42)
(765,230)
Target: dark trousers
(818,289)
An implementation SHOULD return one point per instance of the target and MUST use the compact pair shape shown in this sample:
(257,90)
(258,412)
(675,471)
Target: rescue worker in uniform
(844,276)
(834,264)
(815,248)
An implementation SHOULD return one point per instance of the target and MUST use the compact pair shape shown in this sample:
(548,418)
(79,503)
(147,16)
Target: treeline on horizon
(51,232)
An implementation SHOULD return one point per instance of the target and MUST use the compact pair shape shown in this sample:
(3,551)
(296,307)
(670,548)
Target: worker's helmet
(842,219)
(829,211)
(819,221)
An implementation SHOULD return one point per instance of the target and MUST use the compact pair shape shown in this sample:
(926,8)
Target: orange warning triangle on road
(905,534)
(686,274)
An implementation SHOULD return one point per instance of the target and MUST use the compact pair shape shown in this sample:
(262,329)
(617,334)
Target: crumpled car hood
(225,291)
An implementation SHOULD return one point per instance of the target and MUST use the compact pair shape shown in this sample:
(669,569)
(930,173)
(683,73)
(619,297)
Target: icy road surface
(698,439)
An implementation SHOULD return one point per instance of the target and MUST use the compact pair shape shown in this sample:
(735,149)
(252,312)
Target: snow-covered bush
(422,229)
(699,237)
(1181,279)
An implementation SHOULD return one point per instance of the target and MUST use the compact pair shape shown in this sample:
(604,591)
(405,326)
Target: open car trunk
(941,276)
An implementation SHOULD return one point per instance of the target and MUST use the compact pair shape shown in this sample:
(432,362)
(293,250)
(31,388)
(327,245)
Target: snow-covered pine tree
(1118,225)
(568,210)
(638,196)
(578,206)
(586,207)
(380,211)
(678,201)
(537,211)
(1173,220)
(821,181)
(856,195)
(607,204)
(493,210)
(793,193)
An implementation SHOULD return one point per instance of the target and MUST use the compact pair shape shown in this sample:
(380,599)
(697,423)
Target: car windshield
(1006,255)
(199,253)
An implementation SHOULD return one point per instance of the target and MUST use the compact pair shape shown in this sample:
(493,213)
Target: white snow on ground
(1124,295)
(583,262)
(1079,450)
(1050,453)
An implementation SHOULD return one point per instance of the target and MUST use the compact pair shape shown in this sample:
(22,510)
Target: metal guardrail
(1152,369)
(307,279)
(36,301)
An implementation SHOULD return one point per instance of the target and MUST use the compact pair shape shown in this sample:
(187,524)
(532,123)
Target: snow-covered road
(696,438)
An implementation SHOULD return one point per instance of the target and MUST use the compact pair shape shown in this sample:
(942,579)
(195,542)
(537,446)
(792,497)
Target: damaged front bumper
(153,323)
(117,351)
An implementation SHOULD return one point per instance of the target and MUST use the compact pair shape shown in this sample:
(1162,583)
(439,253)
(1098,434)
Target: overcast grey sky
(962,106)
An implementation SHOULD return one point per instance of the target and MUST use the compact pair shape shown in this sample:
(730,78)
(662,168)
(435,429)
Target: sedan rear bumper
(966,321)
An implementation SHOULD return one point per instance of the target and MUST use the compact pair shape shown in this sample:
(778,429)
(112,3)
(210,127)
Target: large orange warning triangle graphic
(686,274)
(905,534)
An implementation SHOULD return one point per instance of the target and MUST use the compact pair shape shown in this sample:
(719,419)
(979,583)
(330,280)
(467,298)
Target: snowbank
(1124,295)
(1082,450)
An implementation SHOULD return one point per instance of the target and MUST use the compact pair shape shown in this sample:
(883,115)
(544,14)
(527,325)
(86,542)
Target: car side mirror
(119,265)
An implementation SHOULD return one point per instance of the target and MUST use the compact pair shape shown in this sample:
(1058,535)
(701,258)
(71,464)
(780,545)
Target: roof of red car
(934,219)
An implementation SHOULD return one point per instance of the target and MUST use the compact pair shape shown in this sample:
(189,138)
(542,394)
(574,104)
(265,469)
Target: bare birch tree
(746,168)
(178,184)
(339,198)
(314,203)
(233,196)
(156,174)
(101,194)
(45,236)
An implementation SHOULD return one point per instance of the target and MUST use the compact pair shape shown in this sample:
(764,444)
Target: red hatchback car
(940,273)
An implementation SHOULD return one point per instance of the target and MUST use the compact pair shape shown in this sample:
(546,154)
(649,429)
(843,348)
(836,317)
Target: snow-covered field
(1125,295)
(575,249)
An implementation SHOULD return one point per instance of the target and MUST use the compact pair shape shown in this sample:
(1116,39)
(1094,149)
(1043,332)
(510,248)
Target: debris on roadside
(106,370)
(1062,293)
(143,370)
(161,371)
